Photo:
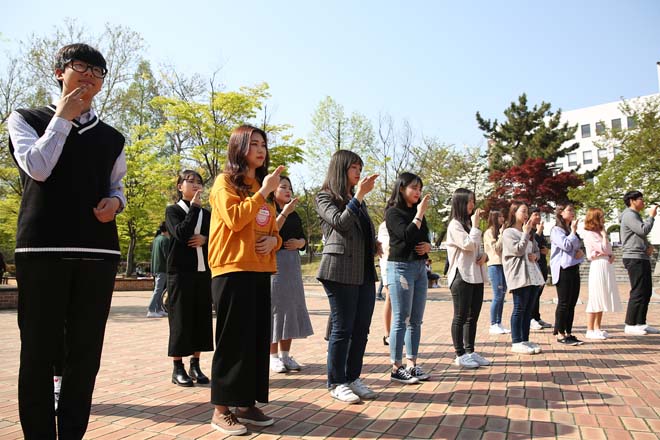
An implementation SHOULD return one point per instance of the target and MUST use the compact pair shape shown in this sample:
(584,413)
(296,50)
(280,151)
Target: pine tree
(526,134)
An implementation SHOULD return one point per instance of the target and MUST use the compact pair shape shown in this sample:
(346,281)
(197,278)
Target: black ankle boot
(179,375)
(196,372)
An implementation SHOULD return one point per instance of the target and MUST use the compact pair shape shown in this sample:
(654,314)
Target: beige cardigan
(493,247)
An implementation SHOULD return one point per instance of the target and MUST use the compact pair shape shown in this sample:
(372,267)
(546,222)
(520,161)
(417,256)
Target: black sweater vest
(56,216)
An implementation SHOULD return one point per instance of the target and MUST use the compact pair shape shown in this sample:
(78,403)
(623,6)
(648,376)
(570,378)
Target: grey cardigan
(343,251)
(518,270)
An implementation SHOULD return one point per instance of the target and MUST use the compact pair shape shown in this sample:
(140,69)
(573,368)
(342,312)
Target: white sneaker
(522,348)
(483,362)
(505,330)
(634,330)
(534,346)
(276,365)
(344,393)
(594,334)
(604,333)
(290,363)
(361,390)
(154,315)
(466,361)
(650,330)
(496,329)
(535,325)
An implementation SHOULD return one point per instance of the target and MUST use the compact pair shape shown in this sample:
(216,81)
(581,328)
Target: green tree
(634,167)
(526,134)
(333,130)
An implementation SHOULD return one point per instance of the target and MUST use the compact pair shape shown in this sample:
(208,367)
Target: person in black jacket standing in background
(189,280)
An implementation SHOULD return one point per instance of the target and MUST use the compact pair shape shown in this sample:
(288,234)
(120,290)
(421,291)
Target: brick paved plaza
(603,389)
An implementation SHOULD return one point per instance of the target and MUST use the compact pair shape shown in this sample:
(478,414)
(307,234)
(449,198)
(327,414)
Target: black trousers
(189,314)
(60,298)
(639,272)
(239,372)
(468,299)
(568,292)
(536,306)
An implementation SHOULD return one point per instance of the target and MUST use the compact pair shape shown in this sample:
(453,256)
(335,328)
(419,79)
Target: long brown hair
(236,166)
(494,223)
(336,181)
(511,219)
(559,220)
(595,220)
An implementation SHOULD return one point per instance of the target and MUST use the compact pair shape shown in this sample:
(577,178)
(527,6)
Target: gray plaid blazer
(343,251)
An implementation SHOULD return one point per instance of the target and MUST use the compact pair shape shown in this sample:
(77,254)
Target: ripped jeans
(408,285)
(498,283)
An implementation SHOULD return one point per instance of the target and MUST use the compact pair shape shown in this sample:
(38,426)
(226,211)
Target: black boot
(196,372)
(179,375)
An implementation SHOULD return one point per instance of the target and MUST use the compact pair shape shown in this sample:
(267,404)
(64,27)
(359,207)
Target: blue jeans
(523,300)
(351,308)
(498,283)
(408,285)
(160,281)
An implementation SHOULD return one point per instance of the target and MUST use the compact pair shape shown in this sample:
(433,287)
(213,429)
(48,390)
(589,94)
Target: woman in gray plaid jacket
(347,272)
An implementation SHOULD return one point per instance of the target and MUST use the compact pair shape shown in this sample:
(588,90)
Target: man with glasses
(71,165)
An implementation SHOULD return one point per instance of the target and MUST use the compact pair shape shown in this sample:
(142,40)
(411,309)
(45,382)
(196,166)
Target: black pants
(468,299)
(239,373)
(568,291)
(536,306)
(60,298)
(639,272)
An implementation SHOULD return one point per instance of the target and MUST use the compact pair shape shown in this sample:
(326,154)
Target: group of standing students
(226,257)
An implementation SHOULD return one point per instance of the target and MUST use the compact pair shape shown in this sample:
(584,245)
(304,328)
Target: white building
(591,122)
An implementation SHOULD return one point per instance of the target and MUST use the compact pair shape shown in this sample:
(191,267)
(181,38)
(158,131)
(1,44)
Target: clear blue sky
(435,63)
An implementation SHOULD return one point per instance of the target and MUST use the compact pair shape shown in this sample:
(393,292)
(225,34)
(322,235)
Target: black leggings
(568,291)
(467,299)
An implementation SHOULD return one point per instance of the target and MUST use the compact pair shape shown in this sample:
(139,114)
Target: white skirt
(603,290)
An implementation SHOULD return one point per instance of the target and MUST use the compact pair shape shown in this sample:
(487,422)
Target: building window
(616,124)
(602,154)
(600,128)
(631,122)
(586,130)
(572,159)
(587,157)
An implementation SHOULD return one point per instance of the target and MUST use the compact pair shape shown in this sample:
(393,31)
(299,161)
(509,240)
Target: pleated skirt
(603,290)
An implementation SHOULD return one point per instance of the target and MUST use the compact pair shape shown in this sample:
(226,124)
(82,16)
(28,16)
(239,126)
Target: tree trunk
(130,256)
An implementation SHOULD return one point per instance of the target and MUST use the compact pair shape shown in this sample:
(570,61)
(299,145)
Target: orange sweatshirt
(236,224)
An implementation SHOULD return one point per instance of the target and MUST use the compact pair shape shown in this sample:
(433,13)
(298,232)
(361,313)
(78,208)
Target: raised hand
(365,185)
(271,181)
(539,228)
(72,105)
(476,215)
(574,225)
(197,198)
(423,206)
(290,207)
(529,224)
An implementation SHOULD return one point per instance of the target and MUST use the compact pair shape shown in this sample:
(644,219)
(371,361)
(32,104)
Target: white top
(384,238)
(463,250)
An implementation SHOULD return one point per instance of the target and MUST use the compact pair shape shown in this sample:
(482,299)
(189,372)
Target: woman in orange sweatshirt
(242,245)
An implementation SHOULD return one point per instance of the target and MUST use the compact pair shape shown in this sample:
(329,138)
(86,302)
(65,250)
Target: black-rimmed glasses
(82,67)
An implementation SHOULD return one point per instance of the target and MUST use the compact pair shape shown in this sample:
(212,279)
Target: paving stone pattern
(600,390)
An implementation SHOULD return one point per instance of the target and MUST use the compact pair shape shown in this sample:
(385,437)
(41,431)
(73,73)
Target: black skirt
(189,313)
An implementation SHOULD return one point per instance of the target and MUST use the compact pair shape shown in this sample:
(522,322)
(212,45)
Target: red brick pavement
(604,389)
